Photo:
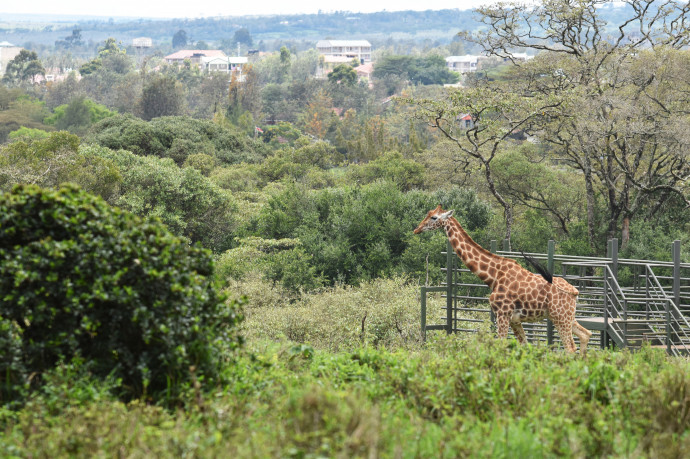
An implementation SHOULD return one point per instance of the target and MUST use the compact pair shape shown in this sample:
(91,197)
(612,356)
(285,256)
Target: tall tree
(243,36)
(481,122)
(162,96)
(179,39)
(624,91)
(343,74)
(23,68)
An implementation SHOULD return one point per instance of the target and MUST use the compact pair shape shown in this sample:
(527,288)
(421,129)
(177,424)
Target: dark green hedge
(79,278)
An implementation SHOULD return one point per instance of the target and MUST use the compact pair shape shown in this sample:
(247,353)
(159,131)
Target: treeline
(438,25)
(321,179)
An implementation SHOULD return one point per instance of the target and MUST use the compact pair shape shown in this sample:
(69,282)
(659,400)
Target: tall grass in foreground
(477,397)
(332,391)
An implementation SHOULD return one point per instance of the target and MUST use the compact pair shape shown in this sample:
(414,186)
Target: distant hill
(439,25)
(415,25)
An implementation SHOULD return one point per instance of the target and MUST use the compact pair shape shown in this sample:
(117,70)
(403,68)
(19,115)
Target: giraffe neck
(486,265)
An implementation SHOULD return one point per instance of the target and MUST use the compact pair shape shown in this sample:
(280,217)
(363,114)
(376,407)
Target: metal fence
(628,302)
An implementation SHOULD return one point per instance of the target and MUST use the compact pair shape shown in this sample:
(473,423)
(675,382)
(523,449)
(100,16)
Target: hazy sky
(206,8)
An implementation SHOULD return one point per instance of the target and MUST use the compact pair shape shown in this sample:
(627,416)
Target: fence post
(550,268)
(449,287)
(676,286)
(605,333)
(613,255)
(506,245)
(423,290)
(676,272)
(494,248)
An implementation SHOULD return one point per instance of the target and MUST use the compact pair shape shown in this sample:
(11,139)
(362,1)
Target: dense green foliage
(420,70)
(176,138)
(456,398)
(82,280)
(56,159)
(188,203)
(77,115)
(357,233)
(162,96)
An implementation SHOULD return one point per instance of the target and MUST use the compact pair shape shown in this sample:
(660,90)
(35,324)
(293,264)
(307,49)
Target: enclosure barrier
(629,302)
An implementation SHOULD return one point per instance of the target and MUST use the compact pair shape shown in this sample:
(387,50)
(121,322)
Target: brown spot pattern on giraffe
(517,295)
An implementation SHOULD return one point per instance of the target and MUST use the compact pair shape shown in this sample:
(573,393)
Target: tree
(78,115)
(56,159)
(419,70)
(111,57)
(242,36)
(162,96)
(343,74)
(23,68)
(495,114)
(187,202)
(624,93)
(179,39)
(81,279)
(72,41)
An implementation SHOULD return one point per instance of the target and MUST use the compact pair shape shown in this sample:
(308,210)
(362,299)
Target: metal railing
(626,300)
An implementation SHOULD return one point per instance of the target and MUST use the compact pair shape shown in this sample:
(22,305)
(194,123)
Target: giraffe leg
(583,334)
(566,332)
(519,332)
(502,321)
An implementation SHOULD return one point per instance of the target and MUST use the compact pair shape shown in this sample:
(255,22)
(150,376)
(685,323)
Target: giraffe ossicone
(517,295)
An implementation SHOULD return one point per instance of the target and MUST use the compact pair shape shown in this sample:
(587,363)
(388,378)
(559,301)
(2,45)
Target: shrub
(391,166)
(358,233)
(186,201)
(201,162)
(28,133)
(56,159)
(81,279)
(176,137)
(242,177)
(380,312)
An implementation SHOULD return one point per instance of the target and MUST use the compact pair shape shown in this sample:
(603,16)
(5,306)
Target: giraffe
(517,295)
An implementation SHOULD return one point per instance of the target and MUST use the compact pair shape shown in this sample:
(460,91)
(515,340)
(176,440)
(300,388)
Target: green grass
(333,391)
(452,398)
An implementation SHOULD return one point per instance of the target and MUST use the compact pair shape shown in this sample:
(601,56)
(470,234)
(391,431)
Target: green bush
(81,279)
(201,162)
(28,133)
(359,233)
(56,159)
(391,166)
(188,203)
(176,137)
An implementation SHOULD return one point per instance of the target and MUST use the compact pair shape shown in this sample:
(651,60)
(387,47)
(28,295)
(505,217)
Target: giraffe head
(434,219)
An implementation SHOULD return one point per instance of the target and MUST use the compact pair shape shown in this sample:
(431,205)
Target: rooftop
(325,43)
(187,53)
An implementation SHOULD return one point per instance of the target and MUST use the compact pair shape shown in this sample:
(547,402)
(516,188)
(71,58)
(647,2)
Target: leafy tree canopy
(23,68)
(423,70)
(343,74)
(243,36)
(176,138)
(179,39)
(78,115)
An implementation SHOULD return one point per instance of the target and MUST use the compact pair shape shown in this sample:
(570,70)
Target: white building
(142,42)
(462,64)
(225,64)
(351,49)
